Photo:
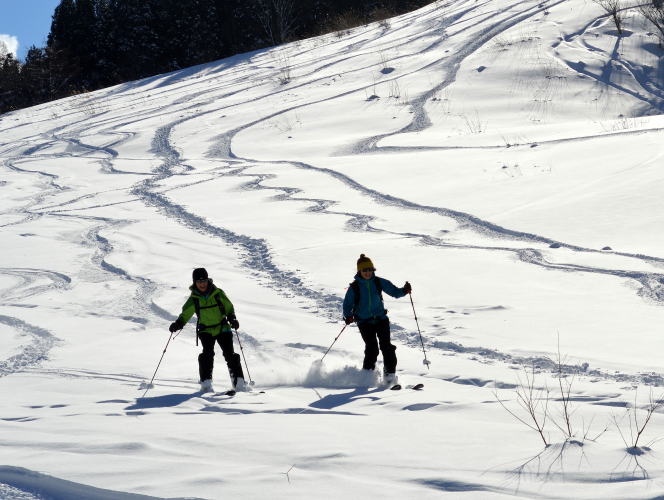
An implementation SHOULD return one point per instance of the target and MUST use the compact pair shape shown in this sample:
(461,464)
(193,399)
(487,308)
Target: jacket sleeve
(390,289)
(228,305)
(349,302)
(188,310)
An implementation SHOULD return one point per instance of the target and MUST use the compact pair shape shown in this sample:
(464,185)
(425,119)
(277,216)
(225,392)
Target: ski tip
(396,387)
(418,387)
(230,393)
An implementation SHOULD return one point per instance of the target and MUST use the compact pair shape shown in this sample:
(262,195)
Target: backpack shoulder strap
(356,293)
(356,288)
(197,307)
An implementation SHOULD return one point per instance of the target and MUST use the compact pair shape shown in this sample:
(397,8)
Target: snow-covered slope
(504,157)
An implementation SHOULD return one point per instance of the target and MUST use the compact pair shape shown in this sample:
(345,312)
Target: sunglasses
(202,281)
(368,269)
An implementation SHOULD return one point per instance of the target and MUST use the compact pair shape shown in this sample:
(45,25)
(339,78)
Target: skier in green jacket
(216,317)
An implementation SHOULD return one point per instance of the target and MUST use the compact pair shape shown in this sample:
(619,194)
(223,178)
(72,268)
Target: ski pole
(170,337)
(251,382)
(335,339)
(426,361)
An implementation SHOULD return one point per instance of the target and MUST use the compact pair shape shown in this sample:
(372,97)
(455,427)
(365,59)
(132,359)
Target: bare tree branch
(612,7)
(277,18)
(535,403)
(654,12)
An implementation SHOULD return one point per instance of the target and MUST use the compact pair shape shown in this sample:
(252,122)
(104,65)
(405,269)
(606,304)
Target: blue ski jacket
(370,304)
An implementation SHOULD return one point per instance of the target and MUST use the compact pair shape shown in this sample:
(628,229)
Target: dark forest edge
(95,44)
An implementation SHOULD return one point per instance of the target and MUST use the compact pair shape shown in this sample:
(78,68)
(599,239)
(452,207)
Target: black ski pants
(206,358)
(377,334)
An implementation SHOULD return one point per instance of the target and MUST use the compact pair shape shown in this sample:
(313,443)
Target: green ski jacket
(212,310)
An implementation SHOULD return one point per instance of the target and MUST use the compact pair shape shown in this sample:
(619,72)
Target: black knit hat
(199,274)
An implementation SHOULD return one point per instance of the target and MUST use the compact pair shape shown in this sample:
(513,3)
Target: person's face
(366,273)
(202,285)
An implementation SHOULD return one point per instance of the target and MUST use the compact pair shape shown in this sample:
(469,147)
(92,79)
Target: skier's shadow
(332,401)
(165,401)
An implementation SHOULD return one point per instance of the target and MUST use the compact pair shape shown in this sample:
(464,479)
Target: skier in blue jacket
(363,304)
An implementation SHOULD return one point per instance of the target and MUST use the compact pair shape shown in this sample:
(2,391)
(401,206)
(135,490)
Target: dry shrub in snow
(654,12)
(534,401)
(635,426)
(612,7)
(538,407)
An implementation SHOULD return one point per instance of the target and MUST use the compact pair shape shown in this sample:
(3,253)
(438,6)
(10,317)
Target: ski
(416,387)
(233,392)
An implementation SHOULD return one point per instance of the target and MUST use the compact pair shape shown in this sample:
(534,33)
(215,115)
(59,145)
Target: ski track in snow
(654,93)
(30,355)
(255,252)
(451,65)
(27,279)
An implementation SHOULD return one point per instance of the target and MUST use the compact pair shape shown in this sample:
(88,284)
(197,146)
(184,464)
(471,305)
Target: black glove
(407,288)
(175,326)
(232,320)
(349,319)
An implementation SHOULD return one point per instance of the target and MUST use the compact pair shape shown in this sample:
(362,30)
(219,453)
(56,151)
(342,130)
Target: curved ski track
(32,354)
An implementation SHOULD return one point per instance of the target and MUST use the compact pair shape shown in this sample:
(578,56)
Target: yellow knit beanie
(363,262)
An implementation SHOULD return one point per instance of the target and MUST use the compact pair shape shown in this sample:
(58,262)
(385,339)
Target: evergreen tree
(10,84)
(133,43)
(187,32)
(36,76)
